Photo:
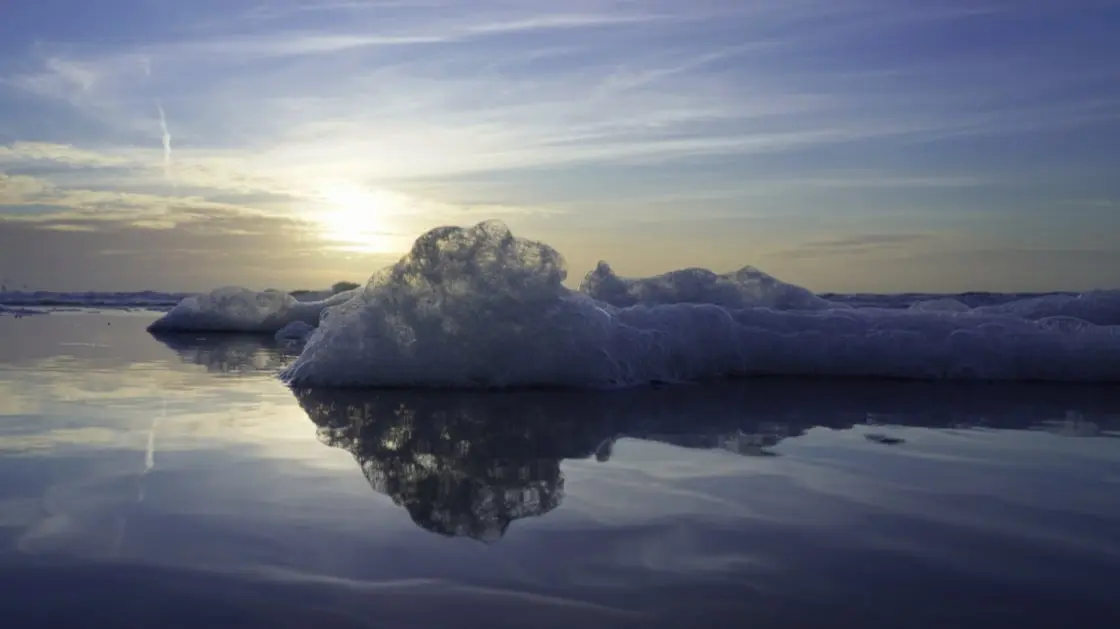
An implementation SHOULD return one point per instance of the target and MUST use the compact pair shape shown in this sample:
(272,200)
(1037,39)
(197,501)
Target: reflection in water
(461,465)
(230,353)
(145,489)
(469,463)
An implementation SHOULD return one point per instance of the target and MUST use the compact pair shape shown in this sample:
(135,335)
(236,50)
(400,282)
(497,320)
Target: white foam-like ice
(470,307)
(235,309)
(746,288)
(946,304)
(1101,307)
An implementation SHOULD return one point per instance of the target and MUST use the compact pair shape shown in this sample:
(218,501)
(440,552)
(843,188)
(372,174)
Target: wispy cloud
(627,97)
(19,152)
(43,202)
(15,189)
(590,107)
(431,27)
(866,240)
(1093,204)
(870,246)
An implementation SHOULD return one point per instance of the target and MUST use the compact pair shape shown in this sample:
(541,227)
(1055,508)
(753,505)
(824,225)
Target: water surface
(174,481)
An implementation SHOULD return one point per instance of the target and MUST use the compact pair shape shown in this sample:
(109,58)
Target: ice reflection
(466,463)
(230,353)
(803,503)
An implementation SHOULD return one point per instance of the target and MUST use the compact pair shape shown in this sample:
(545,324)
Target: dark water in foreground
(175,483)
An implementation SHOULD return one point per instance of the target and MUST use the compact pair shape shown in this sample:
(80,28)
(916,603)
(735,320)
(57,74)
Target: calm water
(176,482)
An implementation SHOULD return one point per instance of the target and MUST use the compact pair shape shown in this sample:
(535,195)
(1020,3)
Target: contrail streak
(166,142)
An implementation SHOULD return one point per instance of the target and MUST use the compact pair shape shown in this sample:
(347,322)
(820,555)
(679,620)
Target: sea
(176,481)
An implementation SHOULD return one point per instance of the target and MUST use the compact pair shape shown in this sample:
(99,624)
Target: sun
(355,218)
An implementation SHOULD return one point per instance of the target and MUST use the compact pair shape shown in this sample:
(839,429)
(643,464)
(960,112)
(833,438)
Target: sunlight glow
(359,219)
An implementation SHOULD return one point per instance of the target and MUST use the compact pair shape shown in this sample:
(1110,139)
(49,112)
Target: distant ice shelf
(89,299)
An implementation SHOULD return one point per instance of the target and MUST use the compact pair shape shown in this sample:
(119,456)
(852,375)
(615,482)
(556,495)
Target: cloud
(57,225)
(260,252)
(61,78)
(1093,204)
(136,169)
(74,79)
(338,216)
(601,109)
(18,152)
(424,25)
(866,240)
(674,66)
(39,201)
(674,89)
(14,189)
(276,11)
(72,72)
(290,44)
(559,21)
(874,245)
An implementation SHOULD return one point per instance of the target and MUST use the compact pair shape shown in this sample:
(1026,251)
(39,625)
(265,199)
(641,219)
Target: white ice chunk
(234,309)
(471,307)
(1101,307)
(940,305)
(748,287)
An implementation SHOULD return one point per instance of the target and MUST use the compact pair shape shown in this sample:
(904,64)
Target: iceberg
(235,309)
(480,307)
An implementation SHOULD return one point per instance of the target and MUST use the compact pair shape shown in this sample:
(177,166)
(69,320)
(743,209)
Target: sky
(863,145)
